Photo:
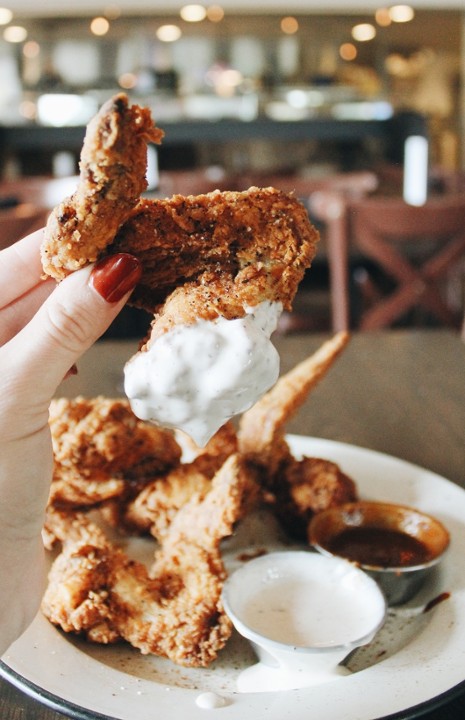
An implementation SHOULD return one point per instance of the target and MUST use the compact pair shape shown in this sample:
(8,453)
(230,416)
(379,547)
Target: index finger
(20,267)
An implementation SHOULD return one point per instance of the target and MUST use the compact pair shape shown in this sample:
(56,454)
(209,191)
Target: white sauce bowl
(303,613)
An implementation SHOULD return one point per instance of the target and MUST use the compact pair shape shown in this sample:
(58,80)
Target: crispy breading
(205,521)
(317,484)
(102,451)
(229,249)
(262,427)
(217,253)
(308,486)
(294,488)
(71,489)
(95,589)
(155,507)
(174,610)
(112,177)
(103,434)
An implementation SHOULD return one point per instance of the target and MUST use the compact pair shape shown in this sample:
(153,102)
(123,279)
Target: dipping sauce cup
(303,613)
(396,545)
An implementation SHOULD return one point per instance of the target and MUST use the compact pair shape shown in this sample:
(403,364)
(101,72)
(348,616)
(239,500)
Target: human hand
(44,329)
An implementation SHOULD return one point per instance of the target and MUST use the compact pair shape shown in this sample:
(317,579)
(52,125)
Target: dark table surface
(399,392)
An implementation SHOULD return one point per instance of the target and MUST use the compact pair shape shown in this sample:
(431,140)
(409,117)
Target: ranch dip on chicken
(196,377)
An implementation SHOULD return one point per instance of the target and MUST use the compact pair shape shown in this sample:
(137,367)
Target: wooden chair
(416,248)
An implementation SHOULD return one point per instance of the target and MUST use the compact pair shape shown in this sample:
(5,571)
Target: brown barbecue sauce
(379,547)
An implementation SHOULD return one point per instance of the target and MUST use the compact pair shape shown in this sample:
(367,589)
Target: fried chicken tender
(261,429)
(103,434)
(112,177)
(205,257)
(216,254)
(102,450)
(158,503)
(308,486)
(294,488)
(69,489)
(230,249)
(174,610)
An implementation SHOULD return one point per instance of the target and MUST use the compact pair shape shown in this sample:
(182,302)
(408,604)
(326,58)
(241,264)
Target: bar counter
(398,392)
(23,142)
(40,137)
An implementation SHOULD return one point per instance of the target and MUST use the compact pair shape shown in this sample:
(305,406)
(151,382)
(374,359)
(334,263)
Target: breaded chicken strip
(103,434)
(102,450)
(213,258)
(217,270)
(174,610)
(262,428)
(158,503)
(245,246)
(294,488)
(95,589)
(112,177)
(215,254)
(305,487)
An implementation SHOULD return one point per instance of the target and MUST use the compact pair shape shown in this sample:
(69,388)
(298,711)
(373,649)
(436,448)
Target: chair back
(418,247)
(391,217)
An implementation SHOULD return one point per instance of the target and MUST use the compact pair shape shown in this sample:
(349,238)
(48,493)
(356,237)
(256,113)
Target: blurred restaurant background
(338,102)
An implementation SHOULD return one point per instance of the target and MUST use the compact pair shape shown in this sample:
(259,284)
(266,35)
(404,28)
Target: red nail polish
(72,371)
(114,276)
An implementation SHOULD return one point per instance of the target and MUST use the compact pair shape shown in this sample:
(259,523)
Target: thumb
(72,318)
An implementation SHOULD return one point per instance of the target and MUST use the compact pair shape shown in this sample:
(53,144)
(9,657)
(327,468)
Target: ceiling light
(363,32)
(215,13)
(6,16)
(289,25)
(348,51)
(193,13)
(168,33)
(401,13)
(15,34)
(383,17)
(99,26)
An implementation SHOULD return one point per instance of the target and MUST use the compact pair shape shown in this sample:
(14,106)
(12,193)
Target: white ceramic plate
(416,666)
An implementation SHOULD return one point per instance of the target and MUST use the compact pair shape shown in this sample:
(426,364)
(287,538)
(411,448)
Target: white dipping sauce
(196,377)
(210,701)
(303,613)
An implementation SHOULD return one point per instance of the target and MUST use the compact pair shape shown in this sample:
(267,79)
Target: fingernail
(114,276)
(72,371)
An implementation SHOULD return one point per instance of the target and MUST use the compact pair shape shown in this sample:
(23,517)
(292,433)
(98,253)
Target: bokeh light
(193,13)
(348,51)
(363,32)
(99,26)
(169,33)
(289,25)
